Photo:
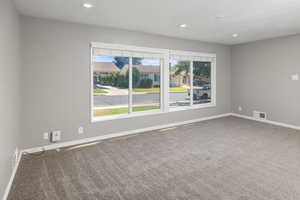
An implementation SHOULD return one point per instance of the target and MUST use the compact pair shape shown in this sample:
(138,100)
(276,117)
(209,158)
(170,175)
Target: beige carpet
(226,159)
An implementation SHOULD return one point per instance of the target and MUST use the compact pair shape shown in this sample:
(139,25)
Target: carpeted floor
(227,159)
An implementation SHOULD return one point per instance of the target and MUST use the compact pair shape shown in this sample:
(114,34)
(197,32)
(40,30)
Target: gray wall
(9,89)
(261,78)
(56,86)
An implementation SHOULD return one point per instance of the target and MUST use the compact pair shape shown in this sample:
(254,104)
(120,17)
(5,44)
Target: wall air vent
(259,115)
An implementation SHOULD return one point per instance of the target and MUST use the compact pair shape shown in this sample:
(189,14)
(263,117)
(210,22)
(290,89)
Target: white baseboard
(136,131)
(12,177)
(124,133)
(267,121)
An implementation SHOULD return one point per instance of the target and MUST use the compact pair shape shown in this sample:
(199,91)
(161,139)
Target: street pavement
(144,98)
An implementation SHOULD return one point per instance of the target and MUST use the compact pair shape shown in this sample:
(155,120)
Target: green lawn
(178,89)
(99,91)
(116,111)
(175,89)
(146,89)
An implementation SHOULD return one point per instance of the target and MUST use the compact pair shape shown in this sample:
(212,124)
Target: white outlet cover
(16,154)
(295,77)
(46,136)
(80,130)
(240,108)
(56,136)
(15,158)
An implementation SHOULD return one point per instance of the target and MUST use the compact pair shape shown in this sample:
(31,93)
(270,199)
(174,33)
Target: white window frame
(164,79)
(195,56)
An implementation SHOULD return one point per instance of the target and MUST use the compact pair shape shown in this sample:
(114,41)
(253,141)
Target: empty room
(150,100)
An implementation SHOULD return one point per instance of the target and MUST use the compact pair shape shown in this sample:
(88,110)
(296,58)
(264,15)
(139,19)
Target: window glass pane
(201,82)
(111,82)
(145,84)
(179,83)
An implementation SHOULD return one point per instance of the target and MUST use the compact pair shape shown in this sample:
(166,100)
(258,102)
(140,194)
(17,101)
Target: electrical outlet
(55,136)
(240,108)
(80,130)
(295,77)
(46,136)
(16,155)
(15,158)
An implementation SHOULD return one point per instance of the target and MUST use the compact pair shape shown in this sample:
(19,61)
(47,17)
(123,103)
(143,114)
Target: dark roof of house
(105,67)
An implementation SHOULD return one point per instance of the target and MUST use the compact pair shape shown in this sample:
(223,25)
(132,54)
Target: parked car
(200,82)
(201,93)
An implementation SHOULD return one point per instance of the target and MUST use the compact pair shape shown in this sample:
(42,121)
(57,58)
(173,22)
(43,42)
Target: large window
(146,84)
(201,82)
(111,85)
(129,81)
(187,89)
(179,71)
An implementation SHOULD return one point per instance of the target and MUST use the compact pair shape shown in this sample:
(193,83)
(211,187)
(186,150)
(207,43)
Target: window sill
(154,112)
(124,116)
(198,106)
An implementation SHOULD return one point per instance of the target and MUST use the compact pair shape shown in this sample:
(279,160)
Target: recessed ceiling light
(220,17)
(235,35)
(87,5)
(182,25)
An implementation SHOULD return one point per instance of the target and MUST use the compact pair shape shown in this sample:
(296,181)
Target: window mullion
(165,83)
(162,89)
(191,83)
(130,85)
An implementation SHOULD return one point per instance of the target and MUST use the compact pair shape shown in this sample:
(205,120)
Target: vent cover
(259,115)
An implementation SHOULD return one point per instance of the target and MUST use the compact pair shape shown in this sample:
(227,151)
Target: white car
(202,93)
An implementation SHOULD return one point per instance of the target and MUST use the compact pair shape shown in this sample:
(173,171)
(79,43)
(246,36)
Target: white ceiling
(207,20)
